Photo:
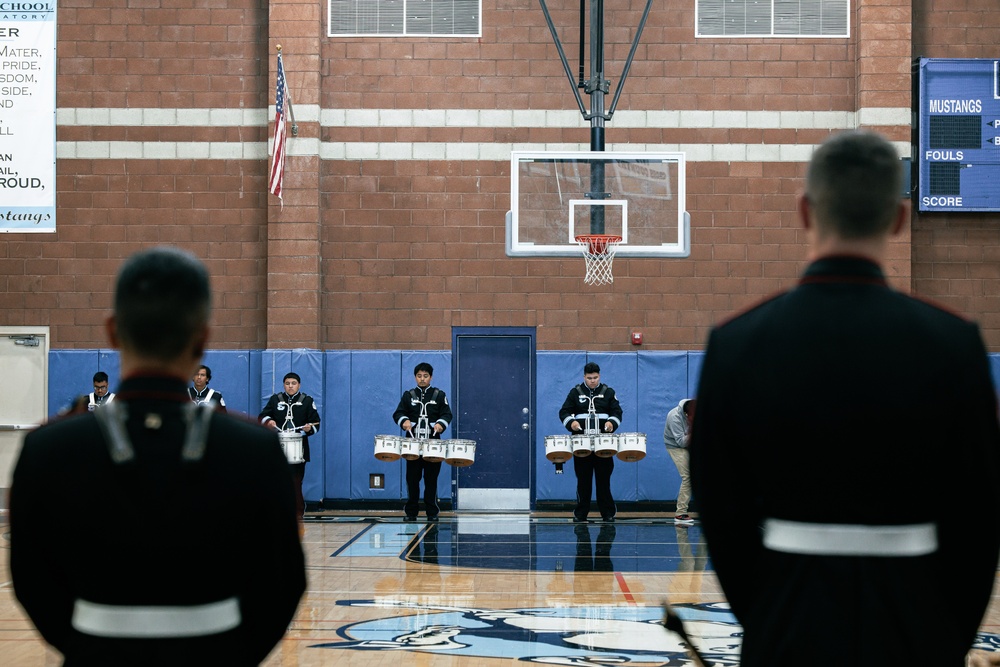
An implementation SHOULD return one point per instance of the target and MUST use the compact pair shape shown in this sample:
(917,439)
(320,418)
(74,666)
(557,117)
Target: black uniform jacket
(438,409)
(208,395)
(150,532)
(303,412)
(577,405)
(845,402)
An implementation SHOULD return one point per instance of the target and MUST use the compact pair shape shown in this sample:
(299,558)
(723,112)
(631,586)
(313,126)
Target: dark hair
(100,376)
(423,366)
(853,185)
(162,299)
(689,406)
(208,372)
(591,367)
(294,376)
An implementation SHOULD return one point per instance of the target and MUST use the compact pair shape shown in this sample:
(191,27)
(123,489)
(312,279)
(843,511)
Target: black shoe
(608,519)
(410,517)
(432,519)
(577,519)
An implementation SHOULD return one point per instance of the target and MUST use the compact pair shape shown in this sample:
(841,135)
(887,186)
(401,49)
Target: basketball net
(599,253)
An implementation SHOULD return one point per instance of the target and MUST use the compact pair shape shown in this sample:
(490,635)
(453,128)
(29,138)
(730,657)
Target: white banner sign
(27,116)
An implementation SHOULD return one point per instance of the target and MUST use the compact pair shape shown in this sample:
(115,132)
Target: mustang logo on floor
(590,636)
(572,636)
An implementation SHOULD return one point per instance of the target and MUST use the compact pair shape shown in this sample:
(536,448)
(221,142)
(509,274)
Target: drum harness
(591,423)
(423,430)
(593,426)
(202,399)
(289,424)
(154,621)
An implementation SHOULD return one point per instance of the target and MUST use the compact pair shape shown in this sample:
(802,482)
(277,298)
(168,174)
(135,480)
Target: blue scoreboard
(958,135)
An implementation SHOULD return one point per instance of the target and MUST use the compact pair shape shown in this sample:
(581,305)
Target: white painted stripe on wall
(310,147)
(310,113)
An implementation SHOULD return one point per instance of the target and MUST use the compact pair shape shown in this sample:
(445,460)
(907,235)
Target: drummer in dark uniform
(293,410)
(200,393)
(592,406)
(100,395)
(153,578)
(423,412)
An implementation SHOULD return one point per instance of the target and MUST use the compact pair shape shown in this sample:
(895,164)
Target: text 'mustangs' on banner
(28,116)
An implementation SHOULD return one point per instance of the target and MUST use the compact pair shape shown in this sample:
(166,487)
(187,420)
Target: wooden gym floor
(487,589)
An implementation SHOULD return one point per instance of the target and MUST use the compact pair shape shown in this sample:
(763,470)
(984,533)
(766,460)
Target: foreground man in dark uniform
(146,572)
(819,478)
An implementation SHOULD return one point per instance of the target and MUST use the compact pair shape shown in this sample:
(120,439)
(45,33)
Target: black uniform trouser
(587,469)
(298,473)
(429,471)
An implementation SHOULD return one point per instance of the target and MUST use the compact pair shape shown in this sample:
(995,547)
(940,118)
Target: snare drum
(558,448)
(460,453)
(605,445)
(631,446)
(583,445)
(433,451)
(291,444)
(409,449)
(387,447)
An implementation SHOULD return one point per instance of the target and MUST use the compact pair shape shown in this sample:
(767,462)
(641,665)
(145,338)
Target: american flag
(278,159)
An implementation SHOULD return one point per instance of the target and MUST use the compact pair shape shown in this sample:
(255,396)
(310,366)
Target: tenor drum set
(629,447)
(456,453)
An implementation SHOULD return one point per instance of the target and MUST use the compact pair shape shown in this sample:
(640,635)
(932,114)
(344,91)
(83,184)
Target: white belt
(829,539)
(125,621)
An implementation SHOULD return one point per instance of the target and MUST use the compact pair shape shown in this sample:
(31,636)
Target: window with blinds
(413,18)
(772,18)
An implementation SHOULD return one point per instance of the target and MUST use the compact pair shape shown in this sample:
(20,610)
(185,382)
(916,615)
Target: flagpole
(288,100)
(277,171)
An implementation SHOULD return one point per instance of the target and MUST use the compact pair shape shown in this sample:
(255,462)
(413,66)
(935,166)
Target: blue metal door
(494,402)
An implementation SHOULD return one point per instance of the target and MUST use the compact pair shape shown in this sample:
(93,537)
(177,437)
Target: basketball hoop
(598,252)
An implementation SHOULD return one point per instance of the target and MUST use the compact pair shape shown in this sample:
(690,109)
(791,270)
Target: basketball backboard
(556,196)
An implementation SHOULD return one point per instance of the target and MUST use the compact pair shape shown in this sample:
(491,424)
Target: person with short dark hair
(293,411)
(676,434)
(423,412)
(100,395)
(200,392)
(153,578)
(815,469)
(592,407)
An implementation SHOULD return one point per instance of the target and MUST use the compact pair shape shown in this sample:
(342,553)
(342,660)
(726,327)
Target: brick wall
(392,225)
(149,65)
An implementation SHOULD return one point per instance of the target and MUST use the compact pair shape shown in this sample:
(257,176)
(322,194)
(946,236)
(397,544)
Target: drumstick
(300,427)
(674,623)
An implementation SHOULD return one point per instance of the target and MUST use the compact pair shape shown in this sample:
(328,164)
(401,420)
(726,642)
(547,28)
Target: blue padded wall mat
(356,392)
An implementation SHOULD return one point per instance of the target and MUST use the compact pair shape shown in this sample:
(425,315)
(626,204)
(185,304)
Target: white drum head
(409,449)
(433,451)
(460,453)
(631,447)
(583,445)
(605,446)
(558,448)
